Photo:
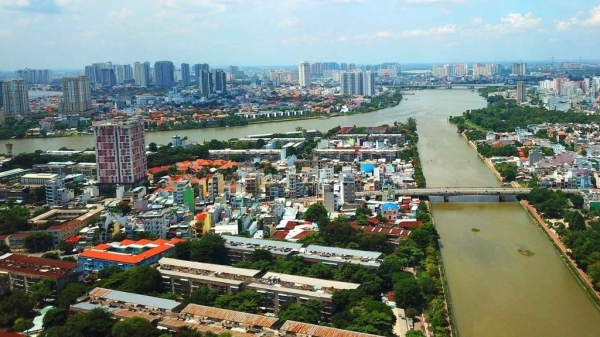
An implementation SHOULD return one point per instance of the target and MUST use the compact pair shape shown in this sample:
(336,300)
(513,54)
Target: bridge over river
(447,192)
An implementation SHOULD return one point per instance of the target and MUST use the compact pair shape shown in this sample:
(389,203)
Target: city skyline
(73,33)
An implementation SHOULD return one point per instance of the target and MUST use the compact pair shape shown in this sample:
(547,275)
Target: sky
(68,34)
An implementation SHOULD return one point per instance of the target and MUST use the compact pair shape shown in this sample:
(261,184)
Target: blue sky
(68,34)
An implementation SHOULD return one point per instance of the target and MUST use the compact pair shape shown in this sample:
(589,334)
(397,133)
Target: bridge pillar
(502,198)
(446,198)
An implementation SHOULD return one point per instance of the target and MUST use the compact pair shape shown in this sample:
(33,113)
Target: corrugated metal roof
(209,267)
(175,324)
(343,251)
(230,315)
(320,331)
(260,242)
(311,281)
(143,300)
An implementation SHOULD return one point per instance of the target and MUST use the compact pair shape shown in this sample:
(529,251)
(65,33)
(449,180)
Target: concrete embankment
(487,161)
(447,301)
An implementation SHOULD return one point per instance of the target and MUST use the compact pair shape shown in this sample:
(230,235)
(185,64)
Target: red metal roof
(41,261)
(281,234)
(320,331)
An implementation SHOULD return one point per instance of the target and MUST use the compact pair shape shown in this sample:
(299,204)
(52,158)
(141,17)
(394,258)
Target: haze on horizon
(68,34)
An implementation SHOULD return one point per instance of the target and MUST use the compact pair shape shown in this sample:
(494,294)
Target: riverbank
(582,278)
(487,161)
(444,280)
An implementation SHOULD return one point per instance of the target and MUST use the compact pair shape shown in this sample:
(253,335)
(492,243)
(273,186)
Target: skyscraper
(185,74)
(206,83)
(304,77)
(120,151)
(141,73)
(15,98)
(127,73)
(353,82)
(220,81)
(35,76)
(198,71)
(77,95)
(519,69)
(109,78)
(369,83)
(521,92)
(119,74)
(164,74)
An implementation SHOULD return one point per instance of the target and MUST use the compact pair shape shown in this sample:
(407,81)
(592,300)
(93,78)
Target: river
(495,291)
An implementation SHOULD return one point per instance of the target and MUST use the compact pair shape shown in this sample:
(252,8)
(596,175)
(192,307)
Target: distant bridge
(447,192)
(454,86)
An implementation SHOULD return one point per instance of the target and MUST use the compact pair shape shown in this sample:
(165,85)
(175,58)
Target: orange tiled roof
(100,252)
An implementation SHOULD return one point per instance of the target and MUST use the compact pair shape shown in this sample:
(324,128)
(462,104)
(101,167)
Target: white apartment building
(304,74)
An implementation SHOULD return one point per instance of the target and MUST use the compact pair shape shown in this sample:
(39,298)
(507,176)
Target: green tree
(13,306)
(55,317)
(66,247)
(70,294)
(142,280)
(594,271)
(414,333)
(203,296)
(210,249)
(95,323)
(318,214)
(22,324)
(408,293)
(577,200)
(51,255)
(295,312)
(4,248)
(152,147)
(134,327)
(508,171)
(118,237)
(43,291)
(145,235)
(69,259)
(245,301)
(38,242)
(183,250)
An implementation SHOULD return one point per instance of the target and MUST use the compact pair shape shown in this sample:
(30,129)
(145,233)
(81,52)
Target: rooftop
(133,299)
(293,281)
(334,252)
(230,315)
(252,244)
(128,251)
(205,269)
(313,330)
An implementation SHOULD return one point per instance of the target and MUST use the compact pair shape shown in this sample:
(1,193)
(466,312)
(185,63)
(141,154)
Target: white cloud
(14,3)
(121,14)
(289,22)
(428,2)
(4,33)
(476,21)
(593,19)
(520,21)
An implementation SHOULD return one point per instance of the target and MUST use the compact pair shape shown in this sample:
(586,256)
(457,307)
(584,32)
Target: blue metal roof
(389,206)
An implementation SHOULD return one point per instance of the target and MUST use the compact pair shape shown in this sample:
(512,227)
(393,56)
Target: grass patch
(526,252)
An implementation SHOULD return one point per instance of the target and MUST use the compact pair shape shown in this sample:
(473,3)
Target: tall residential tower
(14,97)
(304,72)
(77,95)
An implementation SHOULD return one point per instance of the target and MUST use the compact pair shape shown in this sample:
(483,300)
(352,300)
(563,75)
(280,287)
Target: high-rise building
(127,73)
(316,69)
(109,78)
(15,98)
(521,92)
(120,151)
(35,76)
(519,69)
(77,95)
(347,187)
(185,74)
(56,192)
(142,73)
(304,77)
(198,71)
(90,72)
(206,83)
(356,82)
(369,83)
(164,74)
(220,81)
(234,72)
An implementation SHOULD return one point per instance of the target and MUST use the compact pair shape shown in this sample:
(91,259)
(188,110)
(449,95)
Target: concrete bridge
(453,86)
(447,192)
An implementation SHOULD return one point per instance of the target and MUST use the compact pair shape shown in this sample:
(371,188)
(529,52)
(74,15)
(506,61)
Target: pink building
(120,151)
